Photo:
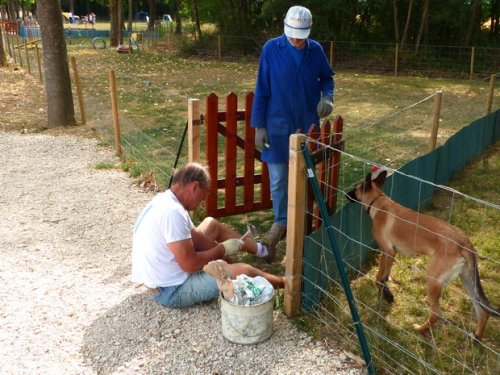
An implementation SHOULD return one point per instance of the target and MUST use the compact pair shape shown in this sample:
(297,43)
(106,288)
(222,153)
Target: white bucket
(247,324)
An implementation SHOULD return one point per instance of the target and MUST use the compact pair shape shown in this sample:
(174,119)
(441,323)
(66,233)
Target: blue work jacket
(286,96)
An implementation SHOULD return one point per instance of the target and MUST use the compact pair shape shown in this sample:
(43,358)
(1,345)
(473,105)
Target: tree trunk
(130,15)
(396,23)
(60,110)
(12,9)
(152,14)
(72,6)
(495,18)
(196,17)
(407,24)
(3,57)
(423,23)
(474,22)
(116,19)
(178,19)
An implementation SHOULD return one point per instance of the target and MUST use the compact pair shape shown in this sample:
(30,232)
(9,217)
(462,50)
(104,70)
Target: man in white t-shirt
(169,252)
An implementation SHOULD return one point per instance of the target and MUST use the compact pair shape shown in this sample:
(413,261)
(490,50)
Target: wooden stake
(27,57)
(12,49)
(219,47)
(19,50)
(396,61)
(114,106)
(38,61)
(331,53)
(78,89)
(295,226)
(194,122)
(435,121)
(493,78)
(472,61)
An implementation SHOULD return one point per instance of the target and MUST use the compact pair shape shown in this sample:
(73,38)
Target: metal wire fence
(389,58)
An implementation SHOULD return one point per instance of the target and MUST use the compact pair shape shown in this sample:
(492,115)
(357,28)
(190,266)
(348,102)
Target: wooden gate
(242,179)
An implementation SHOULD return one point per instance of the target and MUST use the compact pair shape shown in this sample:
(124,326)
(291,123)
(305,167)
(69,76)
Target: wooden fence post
(78,89)
(114,106)
(396,60)
(331,53)
(194,130)
(295,226)
(12,48)
(38,61)
(19,50)
(4,37)
(472,61)
(490,93)
(435,120)
(219,48)
(27,57)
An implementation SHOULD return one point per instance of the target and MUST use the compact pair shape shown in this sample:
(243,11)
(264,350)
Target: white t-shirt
(162,221)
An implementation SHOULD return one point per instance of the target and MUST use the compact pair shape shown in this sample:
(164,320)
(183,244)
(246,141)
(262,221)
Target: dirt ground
(23,106)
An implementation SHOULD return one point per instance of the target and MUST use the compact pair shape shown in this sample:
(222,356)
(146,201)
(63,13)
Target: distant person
(294,89)
(169,252)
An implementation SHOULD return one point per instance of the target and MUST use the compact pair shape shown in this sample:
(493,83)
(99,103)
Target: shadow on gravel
(134,329)
(121,334)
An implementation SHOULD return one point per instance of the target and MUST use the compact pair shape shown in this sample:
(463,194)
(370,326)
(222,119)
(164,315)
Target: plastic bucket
(247,324)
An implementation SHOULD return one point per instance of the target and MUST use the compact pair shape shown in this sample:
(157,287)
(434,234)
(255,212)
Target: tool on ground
(251,231)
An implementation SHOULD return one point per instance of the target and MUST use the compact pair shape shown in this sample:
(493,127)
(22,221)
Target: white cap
(298,22)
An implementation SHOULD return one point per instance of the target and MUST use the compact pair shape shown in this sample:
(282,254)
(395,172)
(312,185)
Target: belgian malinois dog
(400,230)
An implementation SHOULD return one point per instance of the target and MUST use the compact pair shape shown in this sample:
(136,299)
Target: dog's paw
(386,292)
(422,328)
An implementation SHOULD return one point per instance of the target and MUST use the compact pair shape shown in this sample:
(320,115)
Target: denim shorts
(199,287)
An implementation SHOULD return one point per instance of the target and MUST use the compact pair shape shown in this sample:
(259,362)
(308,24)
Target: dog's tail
(472,283)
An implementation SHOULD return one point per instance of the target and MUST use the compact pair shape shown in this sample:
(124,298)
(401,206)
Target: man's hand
(261,139)
(325,106)
(232,246)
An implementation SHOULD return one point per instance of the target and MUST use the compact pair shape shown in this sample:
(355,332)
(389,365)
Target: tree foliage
(444,22)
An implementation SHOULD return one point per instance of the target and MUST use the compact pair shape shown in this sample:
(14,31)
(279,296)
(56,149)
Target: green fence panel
(467,144)
(410,188)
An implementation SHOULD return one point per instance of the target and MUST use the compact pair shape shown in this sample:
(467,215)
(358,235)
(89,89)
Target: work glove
(232,246)
(325,106)
(261,139)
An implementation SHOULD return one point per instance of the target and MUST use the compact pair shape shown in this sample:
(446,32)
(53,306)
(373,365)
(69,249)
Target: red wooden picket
(249,157)
(325,139)
(313,133)
(331,193)
(231,134)
(212,149)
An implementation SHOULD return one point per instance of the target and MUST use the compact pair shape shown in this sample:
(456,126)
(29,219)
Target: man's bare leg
(219,232)
(236,269)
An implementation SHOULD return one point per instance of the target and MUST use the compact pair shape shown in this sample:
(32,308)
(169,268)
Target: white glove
(232,246)
(261,139)
(325,106)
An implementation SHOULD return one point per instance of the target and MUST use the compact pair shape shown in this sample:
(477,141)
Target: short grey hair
(192,172)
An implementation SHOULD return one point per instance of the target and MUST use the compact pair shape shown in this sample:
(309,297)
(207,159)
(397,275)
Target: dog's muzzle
(352,196)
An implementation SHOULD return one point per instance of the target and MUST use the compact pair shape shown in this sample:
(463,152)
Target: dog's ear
(380,178)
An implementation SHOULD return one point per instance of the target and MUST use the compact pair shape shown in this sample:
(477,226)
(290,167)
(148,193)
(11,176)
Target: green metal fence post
(343,275)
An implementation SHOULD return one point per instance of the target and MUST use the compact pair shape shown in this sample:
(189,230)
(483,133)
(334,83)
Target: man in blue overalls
(294,89)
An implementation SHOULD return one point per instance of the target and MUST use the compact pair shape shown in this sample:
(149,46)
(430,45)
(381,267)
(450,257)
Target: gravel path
(68,306)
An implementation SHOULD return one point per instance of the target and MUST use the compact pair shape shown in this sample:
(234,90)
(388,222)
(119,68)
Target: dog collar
(371,203)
